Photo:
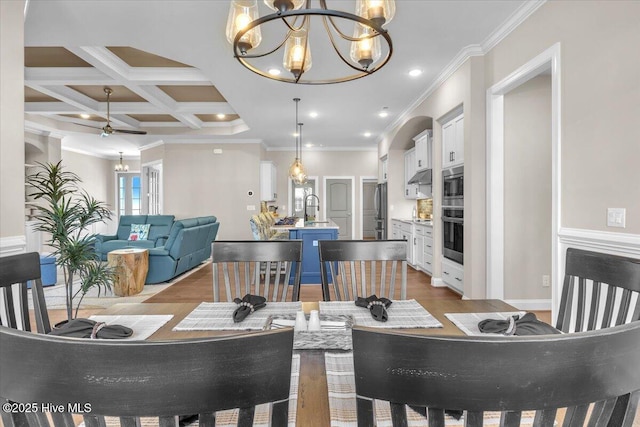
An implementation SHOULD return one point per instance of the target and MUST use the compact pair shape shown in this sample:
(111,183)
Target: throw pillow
(139,231)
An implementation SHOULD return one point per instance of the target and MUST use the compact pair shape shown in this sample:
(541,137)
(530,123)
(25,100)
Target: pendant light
(121,167)
(302,175)
(296,169)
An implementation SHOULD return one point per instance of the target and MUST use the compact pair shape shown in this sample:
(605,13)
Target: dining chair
(353,268)
(582,372)
(599,290)
(163,379)
(270,268)
(16,272)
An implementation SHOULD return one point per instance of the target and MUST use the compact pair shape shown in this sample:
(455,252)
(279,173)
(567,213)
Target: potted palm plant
(64,213)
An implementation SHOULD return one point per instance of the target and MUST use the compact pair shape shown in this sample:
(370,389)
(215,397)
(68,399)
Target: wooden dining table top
(313,399)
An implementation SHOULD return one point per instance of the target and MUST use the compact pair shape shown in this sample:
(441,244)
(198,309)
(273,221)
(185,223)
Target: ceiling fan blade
(133,132)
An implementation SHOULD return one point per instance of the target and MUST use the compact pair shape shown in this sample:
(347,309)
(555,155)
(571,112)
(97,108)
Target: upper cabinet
(453,142)
(384,168)
(423,150)
(268,182)
(409,171)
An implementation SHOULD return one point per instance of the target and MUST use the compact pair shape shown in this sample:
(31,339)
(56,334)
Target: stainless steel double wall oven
(453,213)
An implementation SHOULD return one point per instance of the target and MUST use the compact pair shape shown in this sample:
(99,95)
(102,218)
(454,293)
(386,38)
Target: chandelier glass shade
(296,170)
(121,167)
(359,41)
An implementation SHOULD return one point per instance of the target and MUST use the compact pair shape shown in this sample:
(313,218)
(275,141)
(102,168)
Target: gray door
(368,210)
(339,208)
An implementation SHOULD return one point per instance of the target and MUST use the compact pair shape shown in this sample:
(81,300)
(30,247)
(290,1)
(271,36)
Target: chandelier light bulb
(380,12)
(241,14)
(297,53)
(367,49)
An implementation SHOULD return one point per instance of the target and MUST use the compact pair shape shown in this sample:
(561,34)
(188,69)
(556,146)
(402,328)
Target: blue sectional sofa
(188,245)
(160,226)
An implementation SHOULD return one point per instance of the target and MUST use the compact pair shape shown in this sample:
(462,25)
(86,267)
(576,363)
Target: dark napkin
(377,307)
(247,305)
(87,328)
(516,325)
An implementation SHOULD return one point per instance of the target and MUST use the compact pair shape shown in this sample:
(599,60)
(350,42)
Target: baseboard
(12,245)
(530,304)
(437,282)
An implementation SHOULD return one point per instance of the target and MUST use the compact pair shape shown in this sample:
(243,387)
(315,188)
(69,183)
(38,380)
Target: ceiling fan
(107,129)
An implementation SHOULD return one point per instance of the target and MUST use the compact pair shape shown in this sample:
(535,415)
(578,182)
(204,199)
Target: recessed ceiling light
(85,115)
(308,145)
(221,116)
(415,72)
(367,134)
(384,112)
(274,71)
(313,114)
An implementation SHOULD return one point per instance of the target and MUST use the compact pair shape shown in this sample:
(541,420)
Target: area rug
(55,295)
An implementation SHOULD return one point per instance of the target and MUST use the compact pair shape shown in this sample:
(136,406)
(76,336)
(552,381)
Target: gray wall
(527,189)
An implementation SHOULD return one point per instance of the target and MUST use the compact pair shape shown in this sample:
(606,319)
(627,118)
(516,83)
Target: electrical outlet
(616,217)
(251,207)
(546,281)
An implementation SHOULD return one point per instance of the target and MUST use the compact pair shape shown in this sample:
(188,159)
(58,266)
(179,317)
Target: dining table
(313,401)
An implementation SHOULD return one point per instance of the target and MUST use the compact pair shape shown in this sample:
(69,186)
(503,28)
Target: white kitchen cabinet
(409,171)
(418,245)
(423,150)
(396,232)
(268,181)
(423,247)
(453,275)
(406,229)
(384,168)
(453,142)
(412,191)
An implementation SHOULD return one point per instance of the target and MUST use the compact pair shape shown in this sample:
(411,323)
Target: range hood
(423,177)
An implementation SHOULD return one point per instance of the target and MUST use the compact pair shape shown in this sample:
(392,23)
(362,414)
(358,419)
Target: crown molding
(312,149)
(86,153)
(517,18)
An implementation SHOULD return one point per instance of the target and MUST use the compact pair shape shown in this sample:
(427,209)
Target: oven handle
(452,219)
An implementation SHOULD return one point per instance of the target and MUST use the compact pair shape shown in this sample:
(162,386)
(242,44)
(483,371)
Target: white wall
(12,210)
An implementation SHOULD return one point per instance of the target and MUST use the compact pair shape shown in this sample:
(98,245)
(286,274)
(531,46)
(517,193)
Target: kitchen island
(310,233)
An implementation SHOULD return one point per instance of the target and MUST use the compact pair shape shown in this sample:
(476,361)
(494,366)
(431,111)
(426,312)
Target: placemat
(342,400)
(218,316)
(468,322)
(402,314)
(143,325)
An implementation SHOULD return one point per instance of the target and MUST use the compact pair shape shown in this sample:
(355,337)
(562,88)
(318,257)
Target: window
(129,194)
(299,192)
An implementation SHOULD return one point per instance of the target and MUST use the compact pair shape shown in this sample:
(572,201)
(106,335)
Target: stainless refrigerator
(380,201)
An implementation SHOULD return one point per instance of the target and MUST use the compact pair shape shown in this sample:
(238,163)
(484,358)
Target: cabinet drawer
(406,228)
(428,263)
(428,246)
(419,230)
(428,231)
(453,275)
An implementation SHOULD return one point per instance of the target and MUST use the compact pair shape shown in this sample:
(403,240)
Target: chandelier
(121,167)
(357,39)
(296,170)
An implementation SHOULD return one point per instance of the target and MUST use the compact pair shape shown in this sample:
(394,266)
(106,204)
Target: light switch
(616,217)
(251,207)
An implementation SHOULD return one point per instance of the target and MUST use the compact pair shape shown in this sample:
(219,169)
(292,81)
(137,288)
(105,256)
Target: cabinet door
(268,181)
(453,142)
(423,153)
(384,166)
(409,171)
(418,250)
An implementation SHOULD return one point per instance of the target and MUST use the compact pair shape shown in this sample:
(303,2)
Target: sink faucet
(317,206)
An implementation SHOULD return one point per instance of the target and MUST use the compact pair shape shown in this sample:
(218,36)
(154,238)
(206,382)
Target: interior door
(368,210)
(339,206)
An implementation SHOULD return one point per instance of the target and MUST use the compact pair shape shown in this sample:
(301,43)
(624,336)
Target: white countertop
(414,221)
(309,225)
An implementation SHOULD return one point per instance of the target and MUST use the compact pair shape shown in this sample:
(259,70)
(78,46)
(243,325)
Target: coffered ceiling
(173,74)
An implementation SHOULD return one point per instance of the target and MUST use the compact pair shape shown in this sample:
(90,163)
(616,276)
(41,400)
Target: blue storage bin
(48,270)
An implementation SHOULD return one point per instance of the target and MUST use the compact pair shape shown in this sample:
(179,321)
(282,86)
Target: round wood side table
(130,266)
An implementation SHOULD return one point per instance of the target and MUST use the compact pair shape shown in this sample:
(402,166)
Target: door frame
(145,184)
(353,198)
(547,60)
(364,179)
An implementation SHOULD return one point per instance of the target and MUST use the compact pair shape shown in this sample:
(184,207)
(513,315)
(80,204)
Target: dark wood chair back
(599,290)
(508,374)
(257,267)
(353,268)
(145,378)
(16,271)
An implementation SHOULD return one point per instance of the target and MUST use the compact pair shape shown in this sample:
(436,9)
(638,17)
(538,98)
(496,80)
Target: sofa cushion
(160,225)
(139,232)
(124,226)
(112,245)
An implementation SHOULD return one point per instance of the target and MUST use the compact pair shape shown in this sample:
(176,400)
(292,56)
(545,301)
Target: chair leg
(365,412)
